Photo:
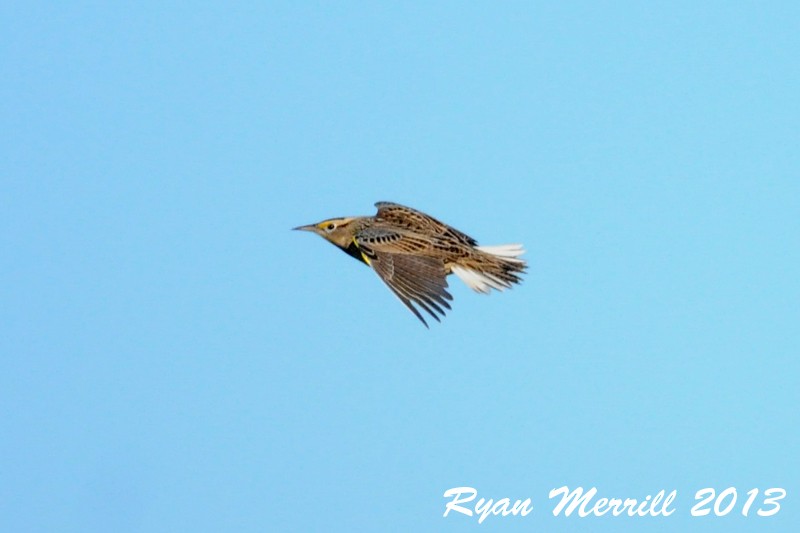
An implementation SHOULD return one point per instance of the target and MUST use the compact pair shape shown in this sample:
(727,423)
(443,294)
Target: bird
(413,253)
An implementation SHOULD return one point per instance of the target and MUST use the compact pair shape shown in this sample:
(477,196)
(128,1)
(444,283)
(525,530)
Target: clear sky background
(173,358)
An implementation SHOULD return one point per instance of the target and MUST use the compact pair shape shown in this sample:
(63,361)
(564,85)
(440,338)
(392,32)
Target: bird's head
(338,231)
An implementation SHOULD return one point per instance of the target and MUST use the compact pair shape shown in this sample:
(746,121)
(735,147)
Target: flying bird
(413,253)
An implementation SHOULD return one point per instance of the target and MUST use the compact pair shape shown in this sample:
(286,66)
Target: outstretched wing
(416,279)
(409,218)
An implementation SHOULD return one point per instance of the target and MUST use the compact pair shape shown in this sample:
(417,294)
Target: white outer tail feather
(483,282)
(506,251)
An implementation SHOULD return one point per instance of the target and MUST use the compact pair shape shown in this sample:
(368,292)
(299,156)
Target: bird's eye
(329,227)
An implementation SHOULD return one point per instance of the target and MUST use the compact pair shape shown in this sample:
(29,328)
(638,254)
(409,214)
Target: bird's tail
(495,267)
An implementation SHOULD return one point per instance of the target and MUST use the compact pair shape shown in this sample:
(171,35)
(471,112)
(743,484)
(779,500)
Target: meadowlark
(413,253)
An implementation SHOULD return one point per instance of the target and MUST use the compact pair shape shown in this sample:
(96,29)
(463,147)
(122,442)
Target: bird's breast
(354,251)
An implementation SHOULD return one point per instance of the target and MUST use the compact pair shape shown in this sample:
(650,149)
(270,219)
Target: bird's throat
(353,250)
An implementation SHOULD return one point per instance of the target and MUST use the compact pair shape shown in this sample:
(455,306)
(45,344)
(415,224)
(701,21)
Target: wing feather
(400,257)
(416,280)
(410,218)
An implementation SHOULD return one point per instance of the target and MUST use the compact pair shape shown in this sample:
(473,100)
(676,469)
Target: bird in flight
(413,253)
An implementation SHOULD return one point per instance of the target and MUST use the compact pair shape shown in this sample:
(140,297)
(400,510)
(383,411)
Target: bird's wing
(407,217)
(415,279)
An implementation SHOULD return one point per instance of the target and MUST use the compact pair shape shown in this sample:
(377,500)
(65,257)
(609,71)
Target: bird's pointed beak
(308,227)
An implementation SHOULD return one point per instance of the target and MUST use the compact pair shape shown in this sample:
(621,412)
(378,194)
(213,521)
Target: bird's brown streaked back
(413,253)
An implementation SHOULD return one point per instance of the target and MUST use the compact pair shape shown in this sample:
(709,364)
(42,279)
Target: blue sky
(175,359)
